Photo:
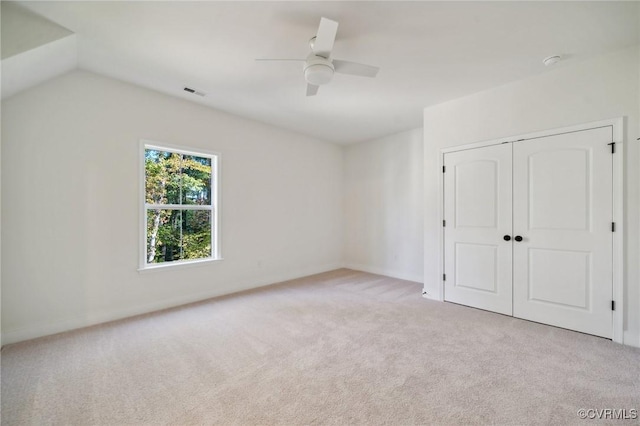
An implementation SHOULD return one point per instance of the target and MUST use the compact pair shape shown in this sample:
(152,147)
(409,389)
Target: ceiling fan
(319,67)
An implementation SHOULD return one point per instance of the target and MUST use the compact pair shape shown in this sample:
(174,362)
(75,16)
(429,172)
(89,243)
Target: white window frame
(213,208)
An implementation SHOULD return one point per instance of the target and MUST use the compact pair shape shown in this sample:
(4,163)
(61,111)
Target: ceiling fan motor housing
(318,70)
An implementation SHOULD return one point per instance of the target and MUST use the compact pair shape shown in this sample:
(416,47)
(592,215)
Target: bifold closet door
(477,211)
(562,209)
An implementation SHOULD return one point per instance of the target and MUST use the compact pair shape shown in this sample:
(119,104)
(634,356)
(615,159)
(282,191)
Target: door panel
(476,194)
(559,178)
(477,187)
(560,277)
(562,208)
(476,266)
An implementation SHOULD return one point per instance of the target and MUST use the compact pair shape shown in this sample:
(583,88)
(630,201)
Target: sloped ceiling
(34,49)
(23,30)
(428,52)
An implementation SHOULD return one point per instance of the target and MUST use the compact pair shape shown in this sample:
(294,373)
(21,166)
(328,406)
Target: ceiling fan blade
(312,89)
(323,44)
(354,68)
(269,59)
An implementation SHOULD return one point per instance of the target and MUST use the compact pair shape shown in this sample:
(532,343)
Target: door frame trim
(618,131)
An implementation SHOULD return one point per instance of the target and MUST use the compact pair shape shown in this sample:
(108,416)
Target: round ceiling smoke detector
(550,60)
(318,70)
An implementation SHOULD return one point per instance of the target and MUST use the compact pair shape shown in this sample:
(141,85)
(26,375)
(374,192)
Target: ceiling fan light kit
(319,67)
(318,74)
(318,70)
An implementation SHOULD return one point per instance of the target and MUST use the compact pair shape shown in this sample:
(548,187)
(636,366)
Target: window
(180,211)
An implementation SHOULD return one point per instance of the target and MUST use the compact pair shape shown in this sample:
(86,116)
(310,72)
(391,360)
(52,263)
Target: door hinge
(613,147)
(613,227)
(444,223)
(444,168)
(444,277)
(613,305)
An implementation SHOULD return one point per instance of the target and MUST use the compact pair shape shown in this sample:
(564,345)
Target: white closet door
(478,215)
(562,209)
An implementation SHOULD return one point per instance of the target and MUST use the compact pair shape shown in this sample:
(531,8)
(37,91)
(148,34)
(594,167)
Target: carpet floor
(343,347)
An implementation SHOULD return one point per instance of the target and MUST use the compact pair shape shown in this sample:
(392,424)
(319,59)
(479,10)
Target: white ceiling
(428,52)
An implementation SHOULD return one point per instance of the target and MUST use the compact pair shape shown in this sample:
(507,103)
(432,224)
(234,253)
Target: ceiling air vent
(194,91)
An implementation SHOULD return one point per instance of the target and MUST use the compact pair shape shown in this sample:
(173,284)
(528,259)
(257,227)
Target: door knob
(507,237)
(518,238)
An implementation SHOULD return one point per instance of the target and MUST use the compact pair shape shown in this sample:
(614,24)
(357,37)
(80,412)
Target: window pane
(162,177)
(178,234)
(196,180)
(196,234)
(161,241)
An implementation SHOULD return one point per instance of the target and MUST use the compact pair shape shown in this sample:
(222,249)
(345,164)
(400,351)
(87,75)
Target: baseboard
(40,330)
(384,271)
(429,296)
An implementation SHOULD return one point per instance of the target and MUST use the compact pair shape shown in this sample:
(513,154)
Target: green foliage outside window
(173,180)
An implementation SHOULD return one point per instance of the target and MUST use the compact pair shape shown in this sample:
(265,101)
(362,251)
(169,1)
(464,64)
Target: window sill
(170,266)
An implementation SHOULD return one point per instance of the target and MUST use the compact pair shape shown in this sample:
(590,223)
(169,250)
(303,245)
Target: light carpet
(342,347)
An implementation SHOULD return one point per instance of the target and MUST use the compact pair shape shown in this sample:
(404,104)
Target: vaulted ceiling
(428,52)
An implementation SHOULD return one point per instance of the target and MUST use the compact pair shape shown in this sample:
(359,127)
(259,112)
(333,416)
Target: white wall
(599,88)
(383,206)
(70,203)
